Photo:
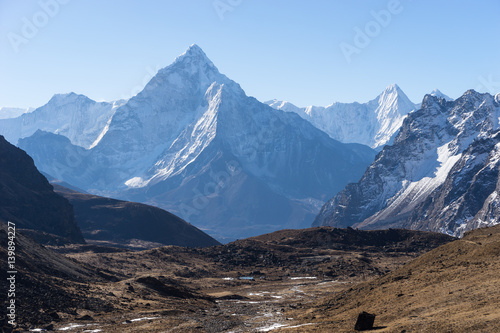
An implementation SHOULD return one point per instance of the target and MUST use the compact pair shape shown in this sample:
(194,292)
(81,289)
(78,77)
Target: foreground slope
(193,143)
(453,288)
(47,282)
(131,224)
(28,200)
(440,174)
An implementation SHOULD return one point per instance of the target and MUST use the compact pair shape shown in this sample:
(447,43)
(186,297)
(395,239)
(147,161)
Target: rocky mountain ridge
(440,174)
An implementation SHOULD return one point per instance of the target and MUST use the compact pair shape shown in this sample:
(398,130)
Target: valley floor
(293,281)
(260,306)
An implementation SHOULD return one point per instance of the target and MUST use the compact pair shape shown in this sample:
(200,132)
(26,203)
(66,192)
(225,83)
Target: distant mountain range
(193,143)
(373,123)
(77,117)
(6,112)
(441,173)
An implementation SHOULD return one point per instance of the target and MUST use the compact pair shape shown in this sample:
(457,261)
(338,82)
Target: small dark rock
(233,297)
(7,328)
(86,318)
(54,315)
(365,321)
(49,327)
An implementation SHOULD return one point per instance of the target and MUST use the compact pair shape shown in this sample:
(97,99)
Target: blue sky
(284,49)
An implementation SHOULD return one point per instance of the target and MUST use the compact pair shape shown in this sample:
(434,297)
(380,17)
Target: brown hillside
(454,288)
(130,224)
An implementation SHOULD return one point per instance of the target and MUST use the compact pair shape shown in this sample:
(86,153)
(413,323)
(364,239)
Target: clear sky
(306,52)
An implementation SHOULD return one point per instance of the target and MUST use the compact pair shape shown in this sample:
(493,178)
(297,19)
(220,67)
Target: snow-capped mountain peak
(285,106)
(438,93)
(8,112)
(68,98)
(194,143)
(392,89)
(373,123)
(194,52)
(75,116)
(192,61)
(393,101)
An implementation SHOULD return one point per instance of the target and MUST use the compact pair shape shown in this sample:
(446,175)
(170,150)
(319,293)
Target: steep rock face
(440,174)
(193,143)
(77,117)
(27,198)
(373,123)
(468,199)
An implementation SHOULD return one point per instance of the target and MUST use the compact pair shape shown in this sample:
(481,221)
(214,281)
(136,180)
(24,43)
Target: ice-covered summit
(193,142)
(75,116)
(8,112)
(373,123)
(193,53)
(438,93)
(193,61)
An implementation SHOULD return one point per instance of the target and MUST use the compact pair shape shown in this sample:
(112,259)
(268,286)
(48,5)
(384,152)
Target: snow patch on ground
(70,327)
(271,327)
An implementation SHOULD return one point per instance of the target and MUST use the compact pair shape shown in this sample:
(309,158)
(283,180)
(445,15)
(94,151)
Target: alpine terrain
(441,173)
(132,225)
(6,112)
(77,117)
(373,123)
(193,143)
(28,200)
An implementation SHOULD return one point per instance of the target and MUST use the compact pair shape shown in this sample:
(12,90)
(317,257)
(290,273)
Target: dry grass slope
(454,288)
